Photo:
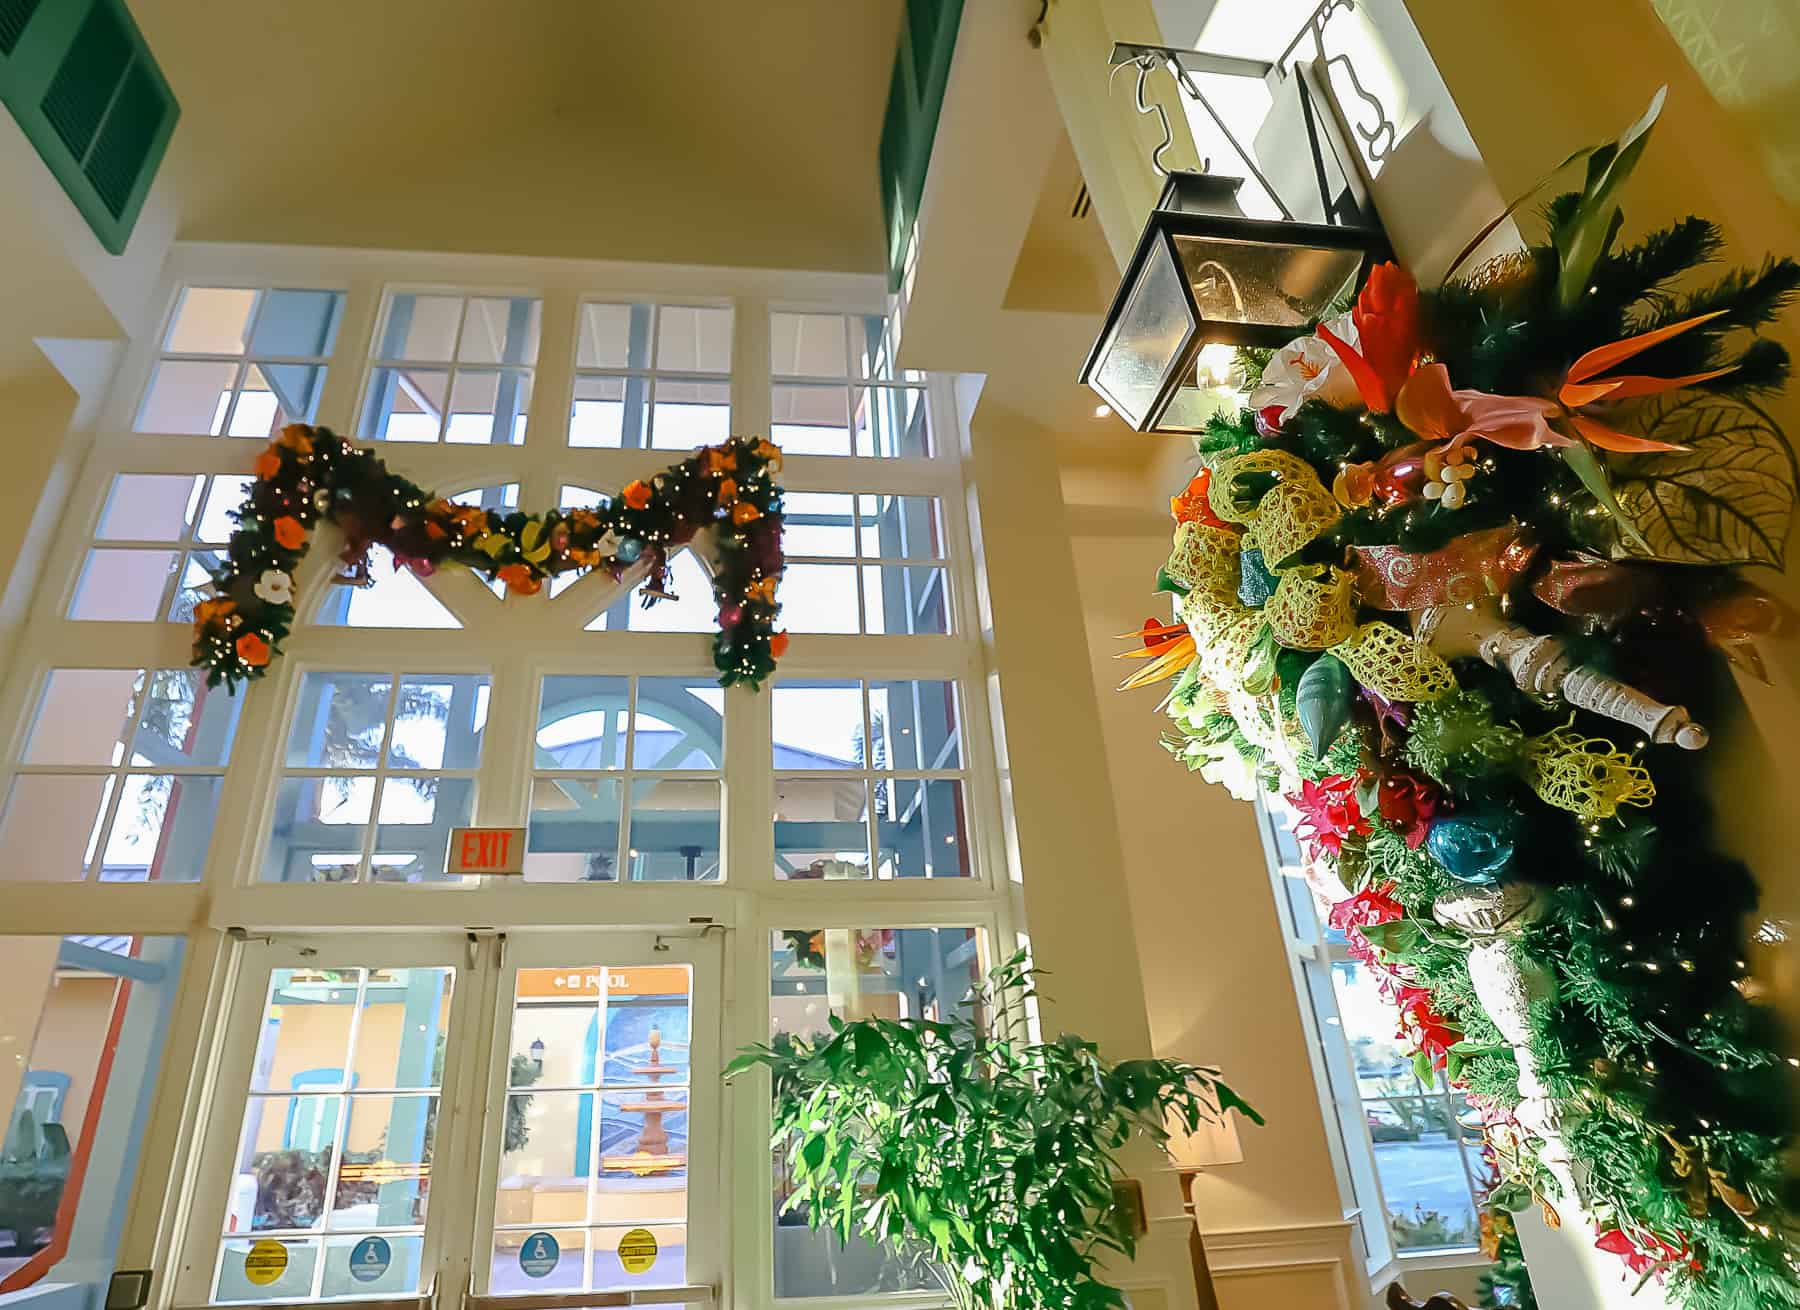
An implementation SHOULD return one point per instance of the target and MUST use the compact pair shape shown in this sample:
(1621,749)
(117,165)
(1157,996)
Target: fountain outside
(651,1154)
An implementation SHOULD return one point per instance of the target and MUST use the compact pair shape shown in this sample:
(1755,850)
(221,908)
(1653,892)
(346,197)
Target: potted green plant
(969,1144)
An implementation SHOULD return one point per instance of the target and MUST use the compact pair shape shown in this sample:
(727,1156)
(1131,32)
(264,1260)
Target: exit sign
(487,850)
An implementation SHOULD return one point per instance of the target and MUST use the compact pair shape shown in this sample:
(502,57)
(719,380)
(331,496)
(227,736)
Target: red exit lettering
(498,851)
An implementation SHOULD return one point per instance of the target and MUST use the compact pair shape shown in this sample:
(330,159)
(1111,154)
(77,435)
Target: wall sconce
(537,1054)
(1205,273)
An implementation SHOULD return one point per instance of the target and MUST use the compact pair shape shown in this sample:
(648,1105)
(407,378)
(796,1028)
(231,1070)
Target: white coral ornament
(275,587)
(1447,475)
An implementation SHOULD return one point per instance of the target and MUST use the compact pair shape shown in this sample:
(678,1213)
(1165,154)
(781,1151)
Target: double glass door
(463,1118)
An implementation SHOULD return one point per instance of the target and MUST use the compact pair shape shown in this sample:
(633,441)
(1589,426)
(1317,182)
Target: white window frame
(539,636)
(1310,957)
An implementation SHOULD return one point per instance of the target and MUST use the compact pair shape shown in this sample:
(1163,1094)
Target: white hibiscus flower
(1309,369)
(275,587)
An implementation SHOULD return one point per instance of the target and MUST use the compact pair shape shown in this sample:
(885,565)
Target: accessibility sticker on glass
(539,1255)
(370,1258)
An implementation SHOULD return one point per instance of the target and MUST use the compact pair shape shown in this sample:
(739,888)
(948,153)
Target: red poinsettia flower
(1408,803)
(1370,906)
(1646,1255)
(1424,1027)
(1388,336)
(1328,814)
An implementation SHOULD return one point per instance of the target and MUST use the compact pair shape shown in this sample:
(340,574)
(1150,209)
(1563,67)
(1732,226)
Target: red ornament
(1400,476)
(1408,803)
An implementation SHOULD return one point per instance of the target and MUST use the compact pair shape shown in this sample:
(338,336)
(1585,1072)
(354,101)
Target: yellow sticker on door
(265,1261)
(637,1250)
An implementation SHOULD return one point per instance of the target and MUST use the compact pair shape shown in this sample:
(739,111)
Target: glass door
(337,1094)
(602,1110)
(446,1119)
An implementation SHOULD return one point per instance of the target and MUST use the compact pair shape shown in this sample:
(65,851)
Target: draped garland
(309,475)
(1461,583)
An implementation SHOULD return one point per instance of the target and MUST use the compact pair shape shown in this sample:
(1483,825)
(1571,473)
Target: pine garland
(310,475)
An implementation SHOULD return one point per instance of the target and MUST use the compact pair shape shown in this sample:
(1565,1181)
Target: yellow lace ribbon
(1313,606)
(1585,775)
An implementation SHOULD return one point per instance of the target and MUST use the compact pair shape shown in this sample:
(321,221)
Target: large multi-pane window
(839,391)
(241,362)
(651,375)
(452,368)
(119,778)
(1410,1148)
(513,1080)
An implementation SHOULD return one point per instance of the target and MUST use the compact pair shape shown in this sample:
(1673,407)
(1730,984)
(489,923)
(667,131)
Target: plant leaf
(1581,242)
(1727,499)
(1586,465)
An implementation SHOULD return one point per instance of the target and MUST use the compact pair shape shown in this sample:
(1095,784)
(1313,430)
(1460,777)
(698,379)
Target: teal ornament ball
(1473,848)
(1255,583)
(629,549)
(1323,699)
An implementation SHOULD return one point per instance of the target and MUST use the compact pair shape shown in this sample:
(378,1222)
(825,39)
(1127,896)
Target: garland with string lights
(310,475)
(1441,585)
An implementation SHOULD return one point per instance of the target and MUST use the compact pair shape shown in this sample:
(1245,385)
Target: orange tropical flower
(778,645)
(1169,647)
(296,437)
(1430,408)
(289,534)
(222,608)
(720,459)
(744,512)
(1192,505)
(769,451)
(268,464)
(253,650)
(520,580)
(637,494)
(728,491)
(763,589)
(435,530)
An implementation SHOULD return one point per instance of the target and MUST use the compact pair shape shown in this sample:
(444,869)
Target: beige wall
(1209,943)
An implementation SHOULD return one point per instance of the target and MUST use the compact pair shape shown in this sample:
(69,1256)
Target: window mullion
(355,341)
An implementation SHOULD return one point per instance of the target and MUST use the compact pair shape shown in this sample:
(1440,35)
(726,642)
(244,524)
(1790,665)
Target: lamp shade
(1215,1143)
(1203,272)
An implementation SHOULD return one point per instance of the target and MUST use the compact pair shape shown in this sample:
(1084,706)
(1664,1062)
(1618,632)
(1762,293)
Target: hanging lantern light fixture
(1206,274)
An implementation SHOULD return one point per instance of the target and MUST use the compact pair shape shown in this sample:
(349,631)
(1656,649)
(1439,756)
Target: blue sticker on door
(370,1259)
(539,1254)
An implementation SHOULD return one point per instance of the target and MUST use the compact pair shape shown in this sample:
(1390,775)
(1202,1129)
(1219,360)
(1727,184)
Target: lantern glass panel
(1148,337)
(1267,283)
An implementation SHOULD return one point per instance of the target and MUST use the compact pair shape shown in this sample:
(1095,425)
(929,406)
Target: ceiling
(682,131)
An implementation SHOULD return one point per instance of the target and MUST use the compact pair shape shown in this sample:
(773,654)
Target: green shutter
(79,79)
(915,97)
